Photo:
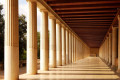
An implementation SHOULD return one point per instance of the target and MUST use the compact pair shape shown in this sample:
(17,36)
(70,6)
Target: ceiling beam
(85,15)
(90,7)
(84,3)
(95,11)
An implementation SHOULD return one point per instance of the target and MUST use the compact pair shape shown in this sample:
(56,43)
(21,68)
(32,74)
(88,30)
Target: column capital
(43,10)
(58,22)
(114,27)
(63,26)
(52,17)
(31,0)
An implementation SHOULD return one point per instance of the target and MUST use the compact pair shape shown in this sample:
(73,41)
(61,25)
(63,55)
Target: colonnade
(109,50)
(64,46)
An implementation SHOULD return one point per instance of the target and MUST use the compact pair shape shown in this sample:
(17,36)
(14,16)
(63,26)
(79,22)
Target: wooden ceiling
(90,19)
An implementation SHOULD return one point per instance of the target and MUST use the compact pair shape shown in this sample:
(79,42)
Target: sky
(23,9)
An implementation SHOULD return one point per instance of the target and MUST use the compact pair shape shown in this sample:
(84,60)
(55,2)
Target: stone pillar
(11,47)
(74,49)
(118,44)
(67,46)
(63,46)
(70,49)
(107,50)
(32,38)
(110,48)
(58,44)
(52,42)
(114,45)
(44,55)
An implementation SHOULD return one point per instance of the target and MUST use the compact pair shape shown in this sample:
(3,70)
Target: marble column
(114,45)
(67,46)
(110,48)
(52,42)
(118,44)
(63,46)
(32,38)
(44,54)
(70,48)
(74,48)
(107,50)
(11,47)
(58,44)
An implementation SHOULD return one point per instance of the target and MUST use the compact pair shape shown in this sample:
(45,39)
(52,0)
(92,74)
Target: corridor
(91,68)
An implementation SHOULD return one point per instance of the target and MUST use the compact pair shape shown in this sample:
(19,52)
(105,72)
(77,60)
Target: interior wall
(94,52)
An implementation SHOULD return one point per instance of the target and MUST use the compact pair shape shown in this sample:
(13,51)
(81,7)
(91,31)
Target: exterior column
(70,49)
(63,46)
(118,44)
(114,45)
(67,46)
(74,49)
(58,44)
(110,48)
(11,40)
(52,42)
(107,49)
(32,38)
(44,55)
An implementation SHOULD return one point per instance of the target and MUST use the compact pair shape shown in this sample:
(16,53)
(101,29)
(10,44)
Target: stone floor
(91,68)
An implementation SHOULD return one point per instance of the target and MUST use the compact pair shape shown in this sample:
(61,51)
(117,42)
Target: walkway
(91,68)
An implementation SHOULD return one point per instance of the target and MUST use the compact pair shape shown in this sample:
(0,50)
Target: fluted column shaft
(63,46)
(52,42)
(107,49)
(110,48)
(118,44)
(32,38)
(70,48)
(58,44)
(114,45)
(44,55)
(74,49)
(67,46)
(11,40)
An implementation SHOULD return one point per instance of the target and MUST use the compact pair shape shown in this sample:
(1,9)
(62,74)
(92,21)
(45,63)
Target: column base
(113,67)
(109,64)
(52,66)
(44,69)
(118,71)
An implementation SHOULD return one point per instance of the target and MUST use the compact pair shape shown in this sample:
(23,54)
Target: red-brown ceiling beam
(84,3)
(89,26)
(90,7)
(86,15)
(98,11)
(91,18)
(86,20)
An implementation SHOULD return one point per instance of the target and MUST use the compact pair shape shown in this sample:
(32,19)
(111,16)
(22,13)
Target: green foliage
(1,35)
(38,45)
(22,37)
